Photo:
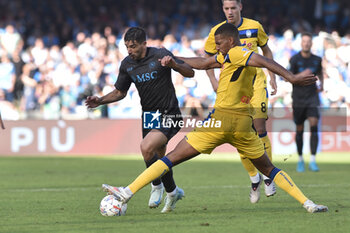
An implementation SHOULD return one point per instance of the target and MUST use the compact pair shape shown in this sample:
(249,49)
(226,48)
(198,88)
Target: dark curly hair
(135,34)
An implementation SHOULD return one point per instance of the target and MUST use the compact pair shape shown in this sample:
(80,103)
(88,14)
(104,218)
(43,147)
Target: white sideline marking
(185,187)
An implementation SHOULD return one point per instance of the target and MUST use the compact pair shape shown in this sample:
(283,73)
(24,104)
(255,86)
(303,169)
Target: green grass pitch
(62,194)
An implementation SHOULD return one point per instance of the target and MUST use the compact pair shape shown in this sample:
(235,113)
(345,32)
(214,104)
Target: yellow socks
(248,165)
(156,170)
(286,183)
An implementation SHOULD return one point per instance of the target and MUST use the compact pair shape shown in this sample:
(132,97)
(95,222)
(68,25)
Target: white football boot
(118,192)
(314,208)
(270,188)
(156,196)
(254,195)
(170,201)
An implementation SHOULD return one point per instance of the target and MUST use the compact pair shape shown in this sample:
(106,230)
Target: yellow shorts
(259,102)
(235,129)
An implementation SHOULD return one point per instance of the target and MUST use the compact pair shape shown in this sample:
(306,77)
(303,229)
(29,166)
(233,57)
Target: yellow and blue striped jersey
(252,36)
(236,82)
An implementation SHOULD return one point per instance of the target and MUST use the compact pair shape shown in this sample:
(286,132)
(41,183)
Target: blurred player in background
(235,116)
(1,122)
(252,36)
(154,84)
(306,101)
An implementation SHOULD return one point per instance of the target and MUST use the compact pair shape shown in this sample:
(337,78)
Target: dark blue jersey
(152,80)
(305,95)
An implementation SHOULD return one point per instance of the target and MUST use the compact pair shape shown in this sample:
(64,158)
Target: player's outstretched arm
(261,61)
(211,74)
(201,63)
(113,96)
(268,53)
(181,67)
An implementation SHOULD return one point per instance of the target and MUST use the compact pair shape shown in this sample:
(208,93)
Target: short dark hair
(227,29)
(238,1)
(135,34)
(306,34)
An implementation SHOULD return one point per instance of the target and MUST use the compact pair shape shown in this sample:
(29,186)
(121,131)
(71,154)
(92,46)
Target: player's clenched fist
(92,101)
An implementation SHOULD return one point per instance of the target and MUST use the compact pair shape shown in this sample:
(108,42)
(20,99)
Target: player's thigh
(299,114)
(313,114)
(182,152)
(206,139)
(203,141)
(260,103)
(246,139)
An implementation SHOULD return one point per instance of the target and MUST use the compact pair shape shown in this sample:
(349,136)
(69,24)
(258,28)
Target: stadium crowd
(56,53)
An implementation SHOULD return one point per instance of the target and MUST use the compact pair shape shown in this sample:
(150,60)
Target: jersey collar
(240,23)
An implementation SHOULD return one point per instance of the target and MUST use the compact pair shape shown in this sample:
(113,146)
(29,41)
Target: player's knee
(260,129)
(146,150)
(314,129)
(260,125)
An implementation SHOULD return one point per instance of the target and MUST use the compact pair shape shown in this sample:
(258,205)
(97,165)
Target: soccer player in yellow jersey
(252,36)
(233,109)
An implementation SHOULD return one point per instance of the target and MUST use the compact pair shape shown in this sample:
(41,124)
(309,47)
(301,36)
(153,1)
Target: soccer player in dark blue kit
(157,93)
(306,100)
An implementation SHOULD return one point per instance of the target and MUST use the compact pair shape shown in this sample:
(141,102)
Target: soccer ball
(110,206)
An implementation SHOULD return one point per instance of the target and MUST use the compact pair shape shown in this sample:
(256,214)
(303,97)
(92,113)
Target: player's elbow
(118,95)
(190,74)
(123,94)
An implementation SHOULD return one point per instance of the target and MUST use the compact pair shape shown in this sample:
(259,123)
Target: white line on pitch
(186,187)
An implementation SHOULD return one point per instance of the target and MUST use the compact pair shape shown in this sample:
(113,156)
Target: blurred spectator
(8,110)
(28,101)
(18,66)
(10,40)
(39,52)
(7,77)
(330,12)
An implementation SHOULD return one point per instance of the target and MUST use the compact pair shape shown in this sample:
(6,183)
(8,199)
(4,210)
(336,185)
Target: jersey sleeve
(220,58)
(210,47)
(262,36)
(124,80)
(164,52)
(239,56)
